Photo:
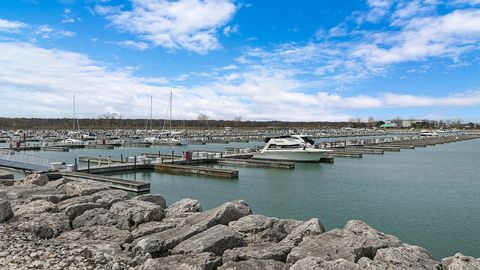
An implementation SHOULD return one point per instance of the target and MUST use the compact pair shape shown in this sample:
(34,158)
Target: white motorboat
(426,133)
(299,148)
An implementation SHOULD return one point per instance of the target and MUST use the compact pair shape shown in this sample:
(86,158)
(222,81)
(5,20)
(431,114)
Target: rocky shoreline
(65,224)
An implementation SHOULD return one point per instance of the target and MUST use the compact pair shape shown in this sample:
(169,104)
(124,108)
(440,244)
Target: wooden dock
(257,163)
(112,182)
(55,148)
(195,170)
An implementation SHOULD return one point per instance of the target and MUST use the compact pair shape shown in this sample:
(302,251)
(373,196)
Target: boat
(300,148)
(426,133)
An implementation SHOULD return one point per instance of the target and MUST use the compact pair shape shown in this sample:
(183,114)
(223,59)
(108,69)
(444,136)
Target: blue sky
(261,60)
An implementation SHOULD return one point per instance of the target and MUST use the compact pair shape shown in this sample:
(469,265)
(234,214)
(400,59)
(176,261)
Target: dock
(112,182)
(257,163)
(195,170)
(55,148)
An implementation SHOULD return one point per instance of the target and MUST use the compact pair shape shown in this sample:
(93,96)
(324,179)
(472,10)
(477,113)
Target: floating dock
(257,163)
(112,182)
(195,170)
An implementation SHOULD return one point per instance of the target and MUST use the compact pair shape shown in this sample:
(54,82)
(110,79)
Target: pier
(112,182)
(195,170)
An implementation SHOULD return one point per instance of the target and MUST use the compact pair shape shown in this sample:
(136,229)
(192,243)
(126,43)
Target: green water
(427,196)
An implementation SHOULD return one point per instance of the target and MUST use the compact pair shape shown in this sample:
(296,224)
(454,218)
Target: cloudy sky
(258,59)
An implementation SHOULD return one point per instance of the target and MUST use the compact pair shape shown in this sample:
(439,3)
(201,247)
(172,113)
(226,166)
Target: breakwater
(65,224)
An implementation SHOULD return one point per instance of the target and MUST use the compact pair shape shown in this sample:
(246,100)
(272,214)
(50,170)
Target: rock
(354,241)
(83,188)
(6,182)
(6,211)
(159,243)
(308,228)
(6,175)
(460,262)
(403,258)
(45,225)
(313,263)
(78,200)
(223,214)
(156,199)
(76,210)
(262,251)
(110,196)
(216,239)
(151,227)
(137,211)
(182,207)
(53,198)
(33,179)
(98,233)
(253,264)
(201,261)
(35,207)
(100,216)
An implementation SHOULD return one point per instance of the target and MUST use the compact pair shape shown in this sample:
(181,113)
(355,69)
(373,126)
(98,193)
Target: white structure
(290,148)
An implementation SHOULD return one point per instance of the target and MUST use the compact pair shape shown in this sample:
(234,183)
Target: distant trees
(203,117)
(109,118)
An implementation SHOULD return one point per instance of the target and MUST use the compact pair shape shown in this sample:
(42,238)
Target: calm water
(427,196)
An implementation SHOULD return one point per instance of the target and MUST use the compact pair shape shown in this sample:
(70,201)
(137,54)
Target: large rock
(308,228)
(45,225)
(216,239)
(98,233)
(35,207)
(401,258)
(313,263)
(111,196)
(6,175)
(460,262)
(83,188)
(153,198)
(100,217)
(227,212)
(182,207)
(262,251)
(253,264)
(6,211)
(76,210)
(54,198)
(138,212)
(354,241)
(152,227)
(201,261)
(258,228)
(64,204)
(33,179)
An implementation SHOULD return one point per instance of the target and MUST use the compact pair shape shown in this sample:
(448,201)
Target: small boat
(298,148)
(426,133)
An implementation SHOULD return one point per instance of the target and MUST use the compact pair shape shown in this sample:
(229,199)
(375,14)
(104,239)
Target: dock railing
(18,160)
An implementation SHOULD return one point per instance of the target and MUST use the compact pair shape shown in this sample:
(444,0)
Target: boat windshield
(308,140)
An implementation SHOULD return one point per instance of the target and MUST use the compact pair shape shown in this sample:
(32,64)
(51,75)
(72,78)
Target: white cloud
(47,32)
(11,26)
(183,24)
(228,30)
(141,46)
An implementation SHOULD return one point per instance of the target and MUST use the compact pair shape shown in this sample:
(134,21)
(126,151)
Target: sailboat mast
(73,126)
(151,111)
(171,112)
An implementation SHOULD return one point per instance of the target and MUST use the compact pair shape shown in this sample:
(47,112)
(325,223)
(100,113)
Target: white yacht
(299,148)
(427,133)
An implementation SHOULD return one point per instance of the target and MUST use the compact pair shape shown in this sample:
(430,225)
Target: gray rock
(308,228)
(313,263)
(183,206)
(156,199)
(33,179)
(45,225)
(53,198)
(227,212)
(6,182)
(100,216)
(216,239)
(403,258)
(262,251)
(83,188)
(138,212)
(76,210)
(35,207)
(354,241)
(98,233)
(151,227)
(201,261)
(111,196)
(6,211)
(253,264)
(460,262)
(78,200)
(6,175)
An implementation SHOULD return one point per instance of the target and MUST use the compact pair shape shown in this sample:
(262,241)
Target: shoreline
(96,227)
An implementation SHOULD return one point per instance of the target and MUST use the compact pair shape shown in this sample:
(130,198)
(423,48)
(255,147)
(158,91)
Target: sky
(302,60)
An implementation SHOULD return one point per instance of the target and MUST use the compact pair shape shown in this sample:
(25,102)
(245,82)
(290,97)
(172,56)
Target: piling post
(173,156)
(134,163)
(121,158)
(159,154)
(109,160)
(88,165)
(99,160)
(76,166)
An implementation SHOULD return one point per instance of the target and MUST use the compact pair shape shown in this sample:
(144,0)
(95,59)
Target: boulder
(262,251)
(460,262)
(227,212)
(33,179)
(201,261)
(183,207)
(78,200)
(54,198)
(83,188)
(151,227)
(401,258)
(100,217)
(45,225)
(253,264)
(137,211)
(354,241)
(216,239)
(313,263)
(76,210)
(6,175)
(109,234)
(156,199)
(6,211)
(35,207)
(111,196)
(308,228)
(7,182)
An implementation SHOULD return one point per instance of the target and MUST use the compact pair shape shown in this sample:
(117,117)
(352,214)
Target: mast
(73,126)
(151,111)
(170,113)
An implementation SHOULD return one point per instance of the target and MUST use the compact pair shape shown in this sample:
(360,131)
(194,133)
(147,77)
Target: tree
(203,117)
(379,124)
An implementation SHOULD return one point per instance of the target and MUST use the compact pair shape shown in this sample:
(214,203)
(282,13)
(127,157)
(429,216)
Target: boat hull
(298,156)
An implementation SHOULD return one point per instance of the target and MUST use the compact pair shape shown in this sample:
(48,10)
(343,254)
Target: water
(427,196)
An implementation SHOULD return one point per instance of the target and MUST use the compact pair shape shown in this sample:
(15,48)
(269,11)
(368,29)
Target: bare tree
(203,117)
